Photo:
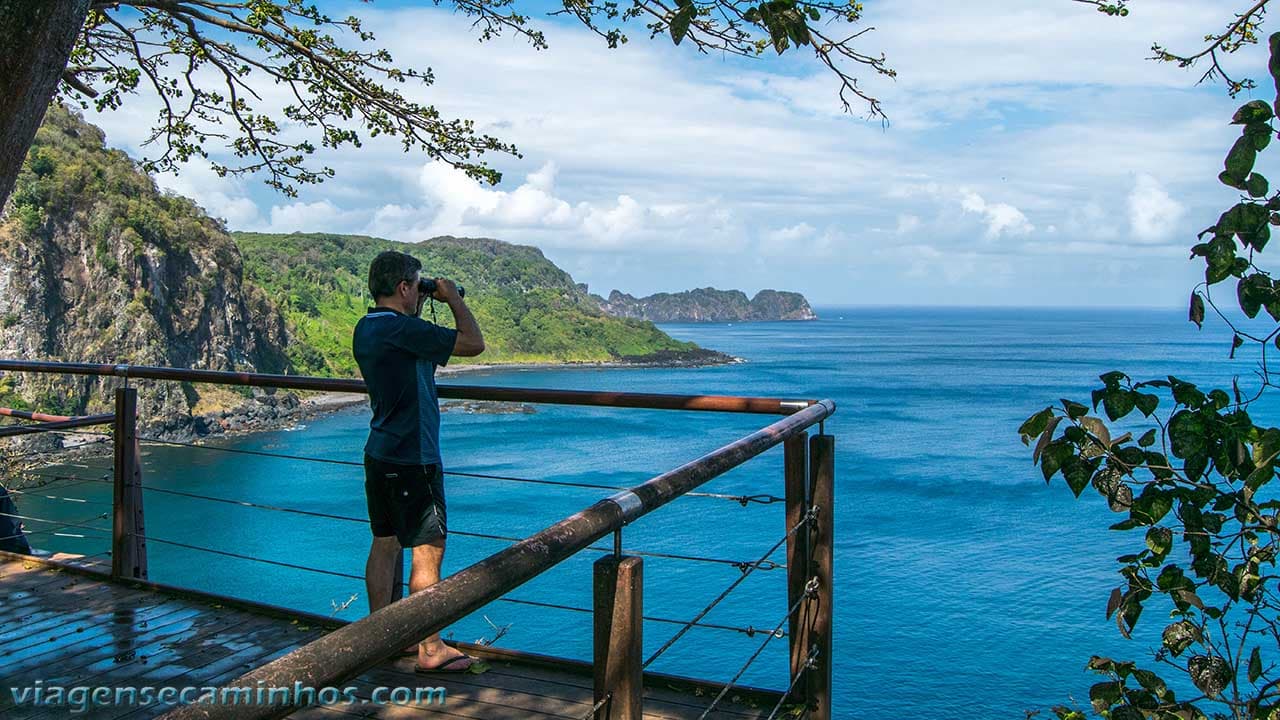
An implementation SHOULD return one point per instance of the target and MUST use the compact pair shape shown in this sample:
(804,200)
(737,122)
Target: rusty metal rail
(652,401)
(65,423)
(618,579)
(353,649)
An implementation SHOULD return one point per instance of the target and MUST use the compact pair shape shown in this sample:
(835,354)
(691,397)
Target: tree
(1199,482)
(103,50)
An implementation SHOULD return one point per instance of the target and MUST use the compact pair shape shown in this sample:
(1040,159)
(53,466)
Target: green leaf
(1075,410)
(1097,428)
(1146,403)
(1105,694)
(1254,291)
(1179,636)
(1260,134)
(1240,159)
(1045,438)
(1035,425)
(1256,185)
(1118,403)
(1112,379)
(1255,665)
(814,15)
(1152,682)
(1159,540)
(1055,454)
(1197,310)
(1273,65)
(1187,434)
(1185,393)
(1077,473)
(1210,673)
(1152,505)
(680,21)
(1254,111)
(1253,225)
(1148,438)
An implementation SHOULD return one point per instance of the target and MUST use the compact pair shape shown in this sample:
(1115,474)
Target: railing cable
(743,500)
(749,631)
(33,493)
(808,516)
(741,565)
(810,588)
(65,523)
(804,668)
(596,708)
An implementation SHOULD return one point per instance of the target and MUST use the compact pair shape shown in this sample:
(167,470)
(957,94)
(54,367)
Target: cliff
(709,305)
(96,265)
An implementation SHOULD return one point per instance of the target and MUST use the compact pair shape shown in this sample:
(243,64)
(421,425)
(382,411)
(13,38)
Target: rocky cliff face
(96,265)
(709,305)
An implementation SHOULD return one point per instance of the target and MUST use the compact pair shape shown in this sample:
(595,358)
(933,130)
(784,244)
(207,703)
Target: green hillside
(529,309)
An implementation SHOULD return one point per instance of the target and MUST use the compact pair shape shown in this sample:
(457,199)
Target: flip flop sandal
(450,666)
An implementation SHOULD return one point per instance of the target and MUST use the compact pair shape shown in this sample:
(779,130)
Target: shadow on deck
(65,623)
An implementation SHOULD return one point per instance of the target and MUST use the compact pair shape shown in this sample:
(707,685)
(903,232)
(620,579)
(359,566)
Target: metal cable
(101,516)
(743,500)
(808,663)
(741,565)
(749,631)
(810,588)
(239,556)
(33,493)
(595,708)
(808,516)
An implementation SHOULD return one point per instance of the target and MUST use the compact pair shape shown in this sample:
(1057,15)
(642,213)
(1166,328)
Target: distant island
(709,305)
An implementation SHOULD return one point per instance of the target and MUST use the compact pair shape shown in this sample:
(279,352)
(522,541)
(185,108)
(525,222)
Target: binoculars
(427,286)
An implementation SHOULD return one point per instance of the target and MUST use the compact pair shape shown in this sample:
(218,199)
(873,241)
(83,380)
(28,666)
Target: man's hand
(446,290)
(469,341)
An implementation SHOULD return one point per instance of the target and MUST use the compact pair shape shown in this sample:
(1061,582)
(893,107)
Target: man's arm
(470,341)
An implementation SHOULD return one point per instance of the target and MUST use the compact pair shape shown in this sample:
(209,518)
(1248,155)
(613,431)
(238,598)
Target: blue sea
(964,586)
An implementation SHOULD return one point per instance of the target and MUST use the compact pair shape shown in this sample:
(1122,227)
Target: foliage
(530,310)
(1198,486)
(346,93)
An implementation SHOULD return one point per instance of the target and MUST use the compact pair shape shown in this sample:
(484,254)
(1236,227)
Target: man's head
(393,279)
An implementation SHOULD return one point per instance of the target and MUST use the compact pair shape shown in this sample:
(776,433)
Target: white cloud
(656,163)
(1153,215)
(1000,218)
(907,224)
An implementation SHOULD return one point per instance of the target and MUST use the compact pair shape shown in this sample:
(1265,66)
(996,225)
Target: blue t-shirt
(398,356)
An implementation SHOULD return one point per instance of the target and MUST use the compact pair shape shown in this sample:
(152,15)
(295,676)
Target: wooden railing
(809,476)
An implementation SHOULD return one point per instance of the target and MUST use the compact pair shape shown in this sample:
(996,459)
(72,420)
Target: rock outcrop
(709,305)
(97,265)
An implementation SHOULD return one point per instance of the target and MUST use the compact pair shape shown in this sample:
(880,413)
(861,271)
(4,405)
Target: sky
(1032,156)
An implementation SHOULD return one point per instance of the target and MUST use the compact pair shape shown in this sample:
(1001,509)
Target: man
(398,354)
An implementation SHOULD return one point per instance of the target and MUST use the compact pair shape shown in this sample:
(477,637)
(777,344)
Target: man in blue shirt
(398,354)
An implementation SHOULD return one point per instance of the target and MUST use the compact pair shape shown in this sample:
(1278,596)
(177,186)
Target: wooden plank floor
(67,629)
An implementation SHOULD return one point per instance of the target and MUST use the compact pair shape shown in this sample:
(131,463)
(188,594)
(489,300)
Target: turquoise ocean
(964,586)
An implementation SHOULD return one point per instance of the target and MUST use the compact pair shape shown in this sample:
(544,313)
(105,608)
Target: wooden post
(619,609)
(128,538)
(796,472)
(822,541)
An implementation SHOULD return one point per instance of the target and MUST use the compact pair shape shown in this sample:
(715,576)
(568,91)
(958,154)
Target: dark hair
(388,270)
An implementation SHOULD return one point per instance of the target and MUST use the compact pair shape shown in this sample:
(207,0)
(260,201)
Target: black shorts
(406,501)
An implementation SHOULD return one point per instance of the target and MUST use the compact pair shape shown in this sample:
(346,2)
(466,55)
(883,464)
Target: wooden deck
(72,626)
